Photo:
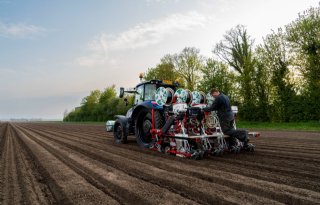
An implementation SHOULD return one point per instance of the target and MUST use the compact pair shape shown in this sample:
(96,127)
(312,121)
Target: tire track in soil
(253,166)
(293,199)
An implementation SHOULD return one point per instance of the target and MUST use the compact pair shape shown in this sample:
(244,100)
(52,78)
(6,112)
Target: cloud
(19,30)
(150,33)
(94,59)
(140,36)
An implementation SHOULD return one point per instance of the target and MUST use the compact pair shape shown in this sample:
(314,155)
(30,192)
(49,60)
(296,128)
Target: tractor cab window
(150,91)
(139,94)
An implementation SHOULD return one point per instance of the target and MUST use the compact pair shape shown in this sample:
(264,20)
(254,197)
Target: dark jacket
(222,105)
(226,118)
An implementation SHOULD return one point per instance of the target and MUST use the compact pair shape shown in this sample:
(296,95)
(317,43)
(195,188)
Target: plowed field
(48,163)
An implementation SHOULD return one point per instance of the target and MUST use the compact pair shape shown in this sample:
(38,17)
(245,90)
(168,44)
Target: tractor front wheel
(119,132)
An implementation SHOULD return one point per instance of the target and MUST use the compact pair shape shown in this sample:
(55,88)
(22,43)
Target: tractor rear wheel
(144,125)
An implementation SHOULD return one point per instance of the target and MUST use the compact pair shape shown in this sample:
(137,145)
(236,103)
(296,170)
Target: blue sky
(53,53)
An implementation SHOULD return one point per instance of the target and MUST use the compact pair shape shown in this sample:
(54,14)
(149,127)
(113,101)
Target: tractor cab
(146,91)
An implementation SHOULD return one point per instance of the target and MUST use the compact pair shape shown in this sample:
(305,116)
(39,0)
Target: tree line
(277,80)
(99,106)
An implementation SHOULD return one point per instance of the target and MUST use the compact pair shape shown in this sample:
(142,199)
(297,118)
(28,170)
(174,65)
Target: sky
(53,53)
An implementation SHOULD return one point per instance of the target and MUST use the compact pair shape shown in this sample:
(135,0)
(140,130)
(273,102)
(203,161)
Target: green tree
(236,50)
(277,61)
(165,70)
(89,105)
(304,39)
(188,64)
(263,87)
(103,105)
(108,93)
(216,74)
(100,106)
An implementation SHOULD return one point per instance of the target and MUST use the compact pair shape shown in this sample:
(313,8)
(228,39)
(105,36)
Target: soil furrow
(81,164)
(102,184)
(247,163)
(77,160)
(32,182)
(283,198)
(11,188)
(237,163)
(67,186)
(134,171)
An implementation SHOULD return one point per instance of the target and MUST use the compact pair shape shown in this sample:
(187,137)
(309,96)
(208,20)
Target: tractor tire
(144,125)
(119,132)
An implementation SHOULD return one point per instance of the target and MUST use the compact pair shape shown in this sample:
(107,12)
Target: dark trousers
(227,127)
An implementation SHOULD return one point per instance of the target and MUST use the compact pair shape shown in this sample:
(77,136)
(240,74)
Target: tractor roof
(159,82)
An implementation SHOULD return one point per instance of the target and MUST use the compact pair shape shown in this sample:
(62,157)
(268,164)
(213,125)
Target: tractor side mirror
(126,101)
(121,92)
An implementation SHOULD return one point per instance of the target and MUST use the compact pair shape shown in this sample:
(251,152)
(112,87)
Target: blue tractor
(138,120)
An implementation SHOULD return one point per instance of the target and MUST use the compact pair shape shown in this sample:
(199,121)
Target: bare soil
(51,163)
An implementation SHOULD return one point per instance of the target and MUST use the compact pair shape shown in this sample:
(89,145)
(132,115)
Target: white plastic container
(109,125)
(234,109)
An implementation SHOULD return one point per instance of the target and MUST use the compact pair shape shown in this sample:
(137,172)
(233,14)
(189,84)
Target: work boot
(248,147)
(234,149)
(233,145)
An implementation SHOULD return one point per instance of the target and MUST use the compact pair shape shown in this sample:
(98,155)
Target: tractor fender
(121,117)
(145,105)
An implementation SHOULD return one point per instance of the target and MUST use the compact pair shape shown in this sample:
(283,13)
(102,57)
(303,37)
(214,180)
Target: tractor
(138,120)
(171,120)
